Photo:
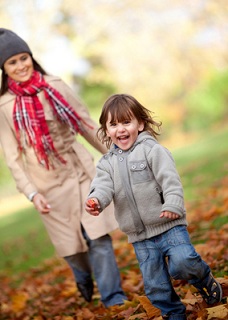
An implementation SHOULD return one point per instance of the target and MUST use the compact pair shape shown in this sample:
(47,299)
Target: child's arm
(170,215)
(92,206)
(165,172)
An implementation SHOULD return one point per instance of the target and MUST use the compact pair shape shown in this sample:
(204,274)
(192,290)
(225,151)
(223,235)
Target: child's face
(125,133)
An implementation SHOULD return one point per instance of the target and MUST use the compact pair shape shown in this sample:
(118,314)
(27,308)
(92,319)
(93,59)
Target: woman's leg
(81,268)
(100,259)
(105,270)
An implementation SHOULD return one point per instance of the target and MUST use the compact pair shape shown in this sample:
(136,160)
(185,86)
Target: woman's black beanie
(11,44)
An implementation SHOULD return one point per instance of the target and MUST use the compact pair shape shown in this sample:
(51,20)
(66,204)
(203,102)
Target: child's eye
(126,121)
(113,124)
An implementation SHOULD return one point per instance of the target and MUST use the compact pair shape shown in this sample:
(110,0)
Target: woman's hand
(92,206)
(170,215)
(40,203)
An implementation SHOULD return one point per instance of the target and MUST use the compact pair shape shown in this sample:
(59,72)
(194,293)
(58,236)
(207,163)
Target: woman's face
(19,67)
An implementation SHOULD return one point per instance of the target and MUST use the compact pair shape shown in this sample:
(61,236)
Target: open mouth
(123,138)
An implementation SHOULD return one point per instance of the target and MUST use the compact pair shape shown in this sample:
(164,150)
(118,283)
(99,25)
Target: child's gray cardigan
(134,180)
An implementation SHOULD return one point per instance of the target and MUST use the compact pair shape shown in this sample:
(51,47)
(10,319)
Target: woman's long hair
(4,83)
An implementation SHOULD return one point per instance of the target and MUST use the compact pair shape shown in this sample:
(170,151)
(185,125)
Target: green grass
(203,163)
(24,242)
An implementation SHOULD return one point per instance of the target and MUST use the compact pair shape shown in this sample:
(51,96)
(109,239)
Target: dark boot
(86,290)
(210,290)
(176,316)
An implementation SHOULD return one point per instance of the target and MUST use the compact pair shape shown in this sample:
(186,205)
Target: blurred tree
(170,54)
(158,51)
(207,104)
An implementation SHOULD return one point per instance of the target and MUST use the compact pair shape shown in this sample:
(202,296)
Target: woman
(39,117)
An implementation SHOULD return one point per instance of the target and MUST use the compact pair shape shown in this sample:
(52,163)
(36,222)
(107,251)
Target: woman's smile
(19,67)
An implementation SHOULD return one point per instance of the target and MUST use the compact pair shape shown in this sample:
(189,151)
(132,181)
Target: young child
(140,176)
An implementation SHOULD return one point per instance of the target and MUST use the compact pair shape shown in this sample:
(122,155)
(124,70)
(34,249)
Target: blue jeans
(101,260)
(169,255)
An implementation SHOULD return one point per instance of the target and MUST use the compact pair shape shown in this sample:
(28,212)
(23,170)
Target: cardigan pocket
(139,171)
(160,192)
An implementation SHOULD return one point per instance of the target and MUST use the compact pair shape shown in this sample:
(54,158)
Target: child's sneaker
(210,290)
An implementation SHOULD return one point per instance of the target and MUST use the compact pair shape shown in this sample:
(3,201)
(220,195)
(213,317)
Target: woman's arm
(12,156)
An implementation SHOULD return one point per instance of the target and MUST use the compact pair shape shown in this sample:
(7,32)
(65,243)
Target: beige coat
(66,187)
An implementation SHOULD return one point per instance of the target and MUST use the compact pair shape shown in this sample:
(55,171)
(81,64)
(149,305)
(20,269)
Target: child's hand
(170,215)
(92,206)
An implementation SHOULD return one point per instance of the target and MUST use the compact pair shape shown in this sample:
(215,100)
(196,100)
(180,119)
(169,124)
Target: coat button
(120,151)
(142,165)
(133,167)
(121,158)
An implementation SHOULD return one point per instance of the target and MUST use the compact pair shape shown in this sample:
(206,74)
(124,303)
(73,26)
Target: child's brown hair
(123,107)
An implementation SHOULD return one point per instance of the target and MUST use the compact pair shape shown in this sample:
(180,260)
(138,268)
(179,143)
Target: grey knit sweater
(134,180)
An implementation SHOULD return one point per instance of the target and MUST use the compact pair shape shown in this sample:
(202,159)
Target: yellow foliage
(149,308)
(19,301)
(70,291)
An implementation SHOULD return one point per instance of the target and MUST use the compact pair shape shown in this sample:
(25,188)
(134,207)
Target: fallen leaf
(148,307)
(19,301)
(218,312)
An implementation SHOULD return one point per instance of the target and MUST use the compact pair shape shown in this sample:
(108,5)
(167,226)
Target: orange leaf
(149,308)
(84,314)
(68,292)
(19,301)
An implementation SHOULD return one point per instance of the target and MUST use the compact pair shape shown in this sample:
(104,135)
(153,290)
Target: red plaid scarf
(29,119)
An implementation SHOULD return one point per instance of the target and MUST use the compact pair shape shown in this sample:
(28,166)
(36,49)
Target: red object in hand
(92,203)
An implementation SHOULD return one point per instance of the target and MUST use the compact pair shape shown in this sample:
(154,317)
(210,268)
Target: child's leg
(185,263)
(158,286)
(209,288)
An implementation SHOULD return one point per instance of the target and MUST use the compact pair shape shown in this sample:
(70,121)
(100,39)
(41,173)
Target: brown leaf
(68,292)
(148,307)
(218,312)
(128,313)
(84,314)
(141,316)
